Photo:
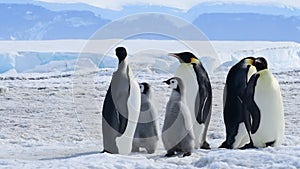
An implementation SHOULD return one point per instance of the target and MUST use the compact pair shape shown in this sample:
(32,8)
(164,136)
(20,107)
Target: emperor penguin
(234,111)
(146,133)
(198,94)
(264,101)
(121,108)
(177,133)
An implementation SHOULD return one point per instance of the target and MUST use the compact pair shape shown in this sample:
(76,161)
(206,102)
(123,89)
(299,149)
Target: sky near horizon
(182,5)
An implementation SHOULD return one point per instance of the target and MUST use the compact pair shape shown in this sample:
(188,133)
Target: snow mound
(3,89)
(287,157)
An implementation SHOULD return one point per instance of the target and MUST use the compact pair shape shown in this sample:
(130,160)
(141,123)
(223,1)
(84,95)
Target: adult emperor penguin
(264,101)
(121,108)
(234,112)
(198,94)
(146,133)
(177,133)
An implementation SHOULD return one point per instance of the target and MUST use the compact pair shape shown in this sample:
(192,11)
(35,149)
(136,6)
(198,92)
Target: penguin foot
(270,144)
(150,151)
(205,145)
(135,149)
(105,151)
(250,145)
(187,154)
(170,154)
(225,145)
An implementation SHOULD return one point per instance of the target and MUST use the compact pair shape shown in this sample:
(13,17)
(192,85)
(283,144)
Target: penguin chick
(177,132)
(146,133)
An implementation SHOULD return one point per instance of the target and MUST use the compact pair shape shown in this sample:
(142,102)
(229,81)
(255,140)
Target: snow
(51,109)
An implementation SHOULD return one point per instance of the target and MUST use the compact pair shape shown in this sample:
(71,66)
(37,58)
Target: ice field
(51,103)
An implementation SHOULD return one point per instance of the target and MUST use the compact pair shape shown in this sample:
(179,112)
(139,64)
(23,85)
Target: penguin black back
(237,77)
(234,113)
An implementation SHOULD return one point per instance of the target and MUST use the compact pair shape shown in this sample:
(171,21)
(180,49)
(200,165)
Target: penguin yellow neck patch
(194,60)
(249,61)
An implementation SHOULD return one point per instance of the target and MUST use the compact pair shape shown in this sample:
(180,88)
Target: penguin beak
(167,82)
(176,56)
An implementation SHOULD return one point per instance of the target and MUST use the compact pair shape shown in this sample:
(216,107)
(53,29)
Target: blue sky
(183,5)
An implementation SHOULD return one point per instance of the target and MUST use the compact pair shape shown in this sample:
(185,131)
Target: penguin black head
(174,83)
(247,61)
(260,63)
(121,53)
(186,57)
(144,87)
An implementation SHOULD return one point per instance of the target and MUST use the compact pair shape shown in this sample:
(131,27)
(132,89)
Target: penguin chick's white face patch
(142,88)
(173,83)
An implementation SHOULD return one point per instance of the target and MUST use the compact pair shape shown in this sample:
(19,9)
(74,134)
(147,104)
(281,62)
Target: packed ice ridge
(280,56)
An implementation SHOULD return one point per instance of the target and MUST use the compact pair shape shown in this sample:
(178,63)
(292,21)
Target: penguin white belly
(271,128)
(252,70)
(124,142)
(187,74)
(242,137)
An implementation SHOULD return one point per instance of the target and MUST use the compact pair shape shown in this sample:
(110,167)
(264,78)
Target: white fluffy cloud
(182,4)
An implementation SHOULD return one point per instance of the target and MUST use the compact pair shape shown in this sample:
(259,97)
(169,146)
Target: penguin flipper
(109,112)
(250,103)
(123,123)
(204,96)
(203,105)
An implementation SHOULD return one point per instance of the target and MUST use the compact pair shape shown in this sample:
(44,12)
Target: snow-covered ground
(53,119)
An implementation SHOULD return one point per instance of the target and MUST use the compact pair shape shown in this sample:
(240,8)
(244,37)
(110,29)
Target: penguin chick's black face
(121,53)
(186,57)
(260,63)
(173,83)
(144,87)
